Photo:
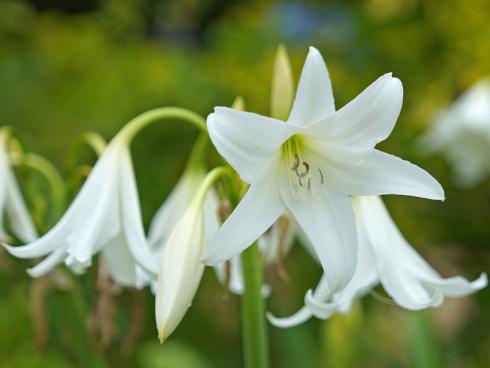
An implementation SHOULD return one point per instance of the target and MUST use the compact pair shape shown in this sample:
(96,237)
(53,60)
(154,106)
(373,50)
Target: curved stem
(135,125)
(93,140)
(209,180)
(254,328)
(49,171)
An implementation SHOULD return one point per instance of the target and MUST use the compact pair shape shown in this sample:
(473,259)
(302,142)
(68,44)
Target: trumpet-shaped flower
(11,202)
(384,257)
(105,216)
(311,164)
(181,268)
(462,134)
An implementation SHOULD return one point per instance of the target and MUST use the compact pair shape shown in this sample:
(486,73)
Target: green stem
(53,177)
(254,329)
(141,121)
(91,139)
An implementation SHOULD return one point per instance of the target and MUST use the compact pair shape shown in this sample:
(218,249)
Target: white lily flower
(386,257)
(271,243)
(462,134)
(12,204)
(311,165)
(105,216)
(181,268)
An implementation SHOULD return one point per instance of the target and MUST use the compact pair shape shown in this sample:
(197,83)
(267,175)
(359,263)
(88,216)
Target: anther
(321,176)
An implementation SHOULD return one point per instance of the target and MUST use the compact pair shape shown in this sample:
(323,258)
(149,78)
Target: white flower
(277,240)
(105,216)
(181,268)
(311,164)
(12,204)
(386,257)
(462,134)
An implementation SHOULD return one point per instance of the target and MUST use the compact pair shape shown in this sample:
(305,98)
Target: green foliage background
(66,68)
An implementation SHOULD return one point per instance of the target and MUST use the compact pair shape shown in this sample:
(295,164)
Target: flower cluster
(310,171)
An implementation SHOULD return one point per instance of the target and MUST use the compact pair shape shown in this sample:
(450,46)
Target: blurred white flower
(386,257)
(181,268)
(12,205)
(310,165)
(461,133)
(105,216)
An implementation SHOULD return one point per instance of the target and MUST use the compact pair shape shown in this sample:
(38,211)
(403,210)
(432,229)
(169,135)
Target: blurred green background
(71,66)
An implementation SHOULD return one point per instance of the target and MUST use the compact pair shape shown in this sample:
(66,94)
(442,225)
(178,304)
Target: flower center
(302,175)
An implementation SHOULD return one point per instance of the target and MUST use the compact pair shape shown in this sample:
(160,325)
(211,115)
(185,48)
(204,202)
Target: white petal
(405,275)
(297,318)
(458,286)
(382,173)
(120,262)
(366,120)
(365,277)
(328,221)
(249,142)
(173,208)
(314,98)
(255,213)
(131,218)
(97,229)
(181,270)
(78,214)
(48,263)
(20,220)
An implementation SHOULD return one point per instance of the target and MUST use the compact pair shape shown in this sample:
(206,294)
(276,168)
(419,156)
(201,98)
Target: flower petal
(366,120)
(48,263)
(120,262)
(249,142)
(329,223)
(314,97)
(173,208)
(459,286)
(20,220)
(365,277)
(405,275)
(297,318)
(131,218)
(382,173)
(256,212)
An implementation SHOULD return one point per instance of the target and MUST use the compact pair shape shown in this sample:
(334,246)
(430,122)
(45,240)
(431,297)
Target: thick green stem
(254,329)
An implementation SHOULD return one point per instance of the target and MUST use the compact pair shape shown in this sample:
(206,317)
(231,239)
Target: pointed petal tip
(161,337)
(13,250)
(481,282)
(313,50)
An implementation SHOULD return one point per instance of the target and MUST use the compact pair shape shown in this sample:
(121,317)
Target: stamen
(321,176)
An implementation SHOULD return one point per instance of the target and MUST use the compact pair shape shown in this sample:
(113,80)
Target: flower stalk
(141,121)
(254,329)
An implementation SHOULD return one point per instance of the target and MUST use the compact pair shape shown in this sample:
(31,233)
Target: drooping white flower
(462,134)
(384,257)
(12,205)
(181,268)
(311,165)
(104,217)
